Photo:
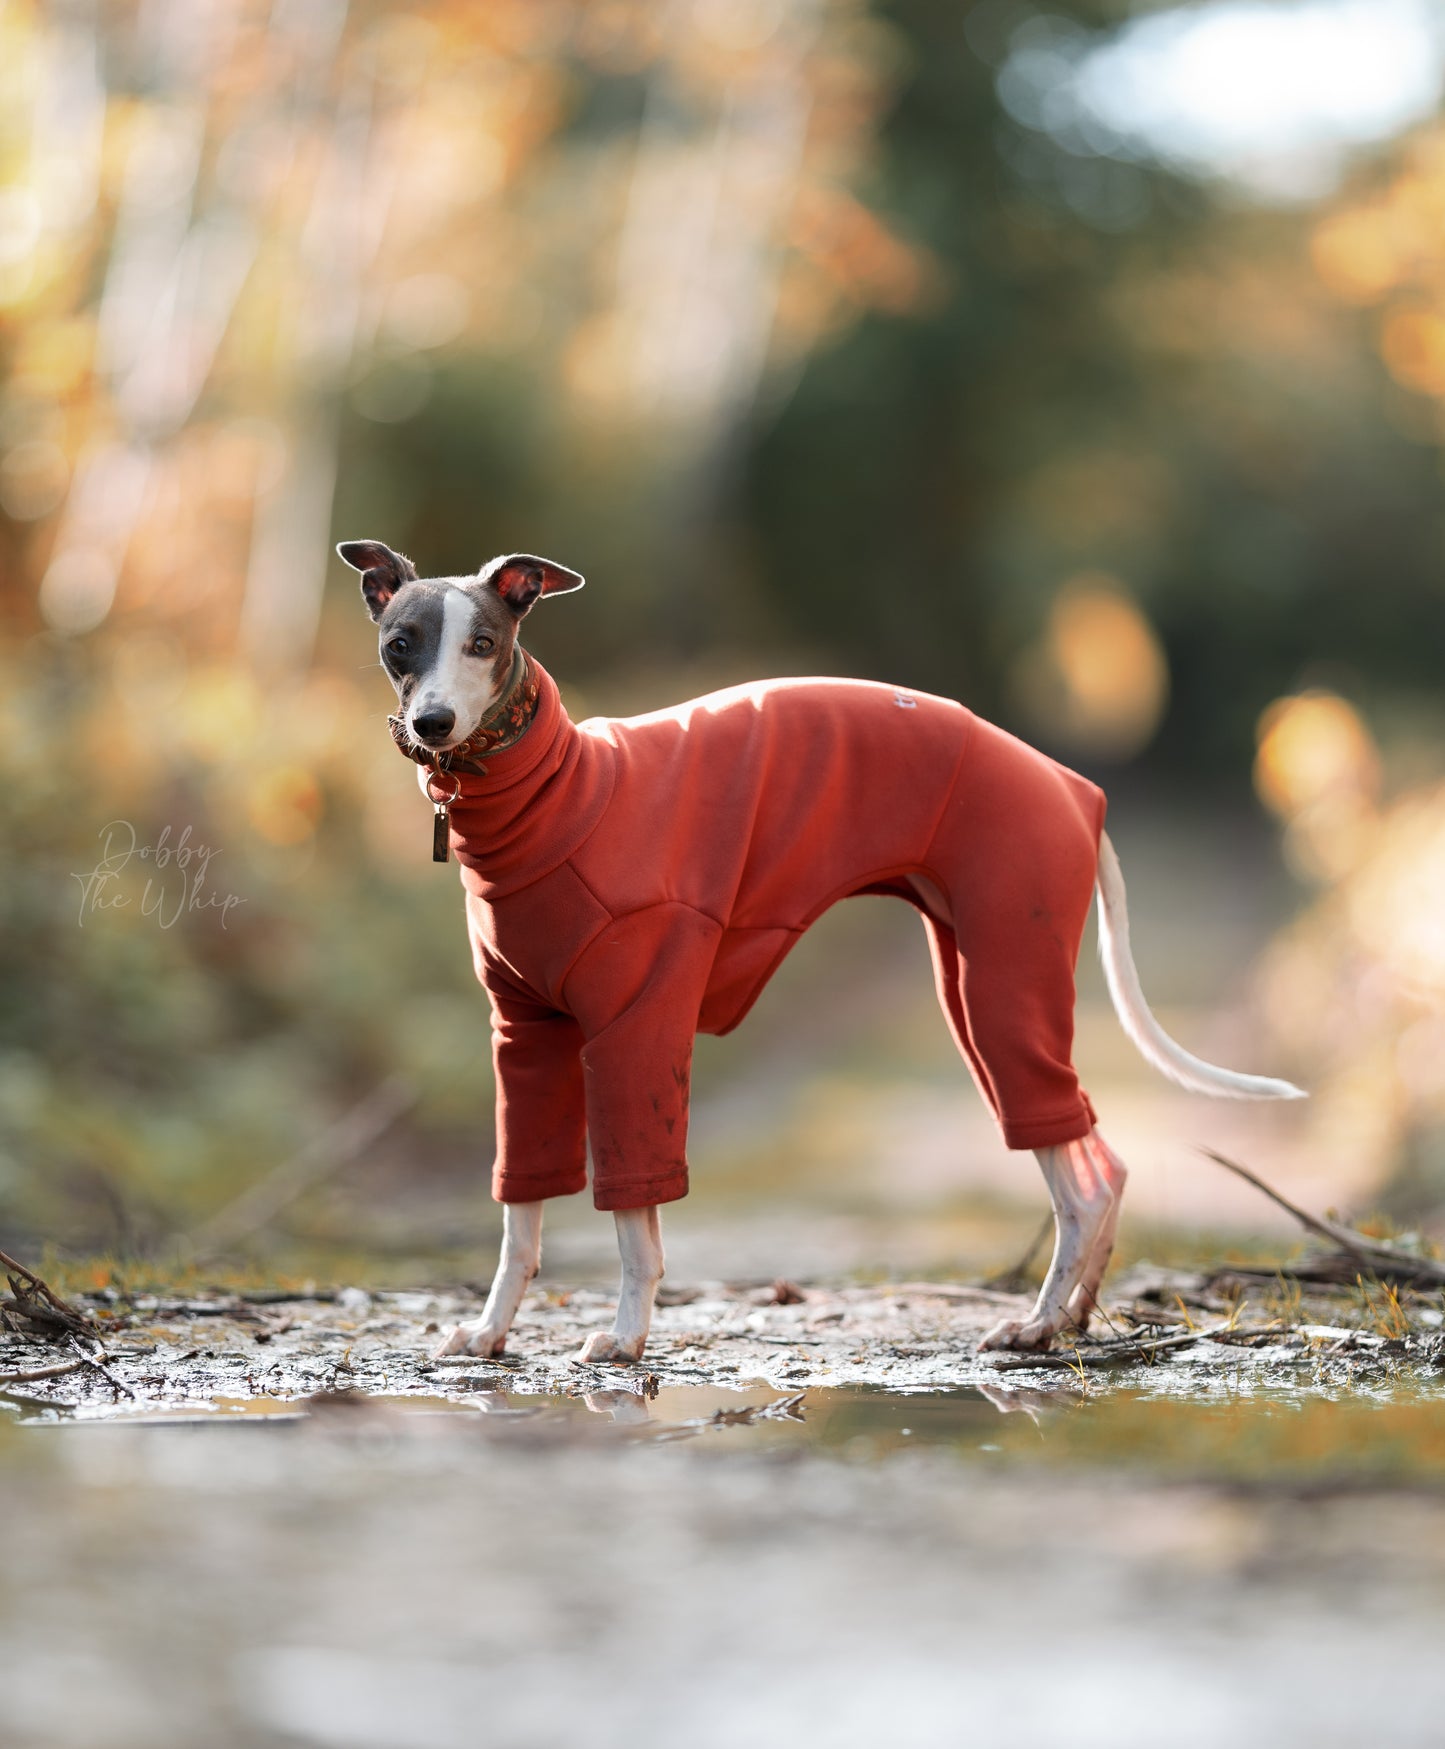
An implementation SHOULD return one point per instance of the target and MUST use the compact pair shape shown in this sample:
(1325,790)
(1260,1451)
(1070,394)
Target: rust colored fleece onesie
(633,882)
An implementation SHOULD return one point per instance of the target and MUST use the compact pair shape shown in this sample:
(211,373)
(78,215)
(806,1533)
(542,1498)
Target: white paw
(1020,1333)
(473,1338)
(607,1345)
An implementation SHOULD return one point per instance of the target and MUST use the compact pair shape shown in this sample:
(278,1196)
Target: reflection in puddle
(1391,1438)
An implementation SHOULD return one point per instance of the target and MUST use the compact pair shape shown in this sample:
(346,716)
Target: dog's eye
(483,645)
(397,647)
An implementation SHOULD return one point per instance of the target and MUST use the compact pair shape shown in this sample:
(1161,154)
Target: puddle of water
(1389,1439)
(1300,1441)
(233,1411)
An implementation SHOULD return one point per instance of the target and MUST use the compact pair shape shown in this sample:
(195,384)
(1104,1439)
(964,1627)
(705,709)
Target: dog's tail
(1149,1038)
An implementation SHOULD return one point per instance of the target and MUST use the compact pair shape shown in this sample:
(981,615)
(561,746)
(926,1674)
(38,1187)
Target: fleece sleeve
(636,992)
(541,1119)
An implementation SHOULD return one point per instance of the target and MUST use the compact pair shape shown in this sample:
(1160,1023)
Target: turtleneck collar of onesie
(537,801)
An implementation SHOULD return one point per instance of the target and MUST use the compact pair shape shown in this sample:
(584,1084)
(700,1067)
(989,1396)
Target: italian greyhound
(632,882)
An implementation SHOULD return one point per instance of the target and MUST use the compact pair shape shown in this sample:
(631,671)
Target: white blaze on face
(458,681)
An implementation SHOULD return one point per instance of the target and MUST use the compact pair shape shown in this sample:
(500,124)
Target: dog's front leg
(521,1256)
(639,1239)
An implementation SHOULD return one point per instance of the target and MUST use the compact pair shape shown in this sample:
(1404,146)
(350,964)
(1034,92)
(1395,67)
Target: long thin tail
(1149,1038)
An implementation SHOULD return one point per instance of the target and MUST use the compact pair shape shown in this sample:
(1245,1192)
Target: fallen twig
(780,1409)
(1386,1261)
(1346,1236)
(37,1373)
(284,1296)
(231,1307)
(1105,1354)
(226,1304)
(1255,1335)
(105,1372)
(35,1308)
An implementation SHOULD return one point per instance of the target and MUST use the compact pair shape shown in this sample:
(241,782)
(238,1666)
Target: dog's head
(447,642)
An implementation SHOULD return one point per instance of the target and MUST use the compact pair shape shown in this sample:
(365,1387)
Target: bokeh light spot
(78,589)
(1355,254)
(1413,345)
(1098,679)
(1310,746)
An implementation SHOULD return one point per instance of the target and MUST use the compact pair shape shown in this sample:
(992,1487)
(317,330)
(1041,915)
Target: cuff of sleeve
(641,1193)
(537,1186)
(1052,1131)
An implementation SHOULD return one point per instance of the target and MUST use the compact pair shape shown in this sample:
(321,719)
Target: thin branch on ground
(1105,1354)
(1387,1261)
(104,1371)
(36,1373)
(35,1309)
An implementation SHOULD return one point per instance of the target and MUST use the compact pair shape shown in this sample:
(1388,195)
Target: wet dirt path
(904,1336)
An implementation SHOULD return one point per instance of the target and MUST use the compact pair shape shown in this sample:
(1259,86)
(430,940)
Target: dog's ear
(382,571)
(520,578)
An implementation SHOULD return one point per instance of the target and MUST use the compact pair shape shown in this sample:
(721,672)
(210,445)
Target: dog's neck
(503,725)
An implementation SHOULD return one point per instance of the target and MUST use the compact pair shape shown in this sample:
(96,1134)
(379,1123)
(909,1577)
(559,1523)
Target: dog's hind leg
(521,1256)
(1085,1297)
(639,1239)
(1081,1187)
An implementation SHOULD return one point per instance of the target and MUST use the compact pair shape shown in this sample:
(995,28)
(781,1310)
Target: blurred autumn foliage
(771,317)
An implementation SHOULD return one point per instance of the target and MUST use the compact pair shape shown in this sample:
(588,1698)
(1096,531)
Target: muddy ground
(803,1517)
(1170,1331)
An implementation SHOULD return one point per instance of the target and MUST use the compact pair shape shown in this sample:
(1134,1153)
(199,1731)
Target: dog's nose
(433,724)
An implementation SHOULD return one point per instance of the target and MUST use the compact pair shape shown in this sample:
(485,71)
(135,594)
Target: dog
(630,883)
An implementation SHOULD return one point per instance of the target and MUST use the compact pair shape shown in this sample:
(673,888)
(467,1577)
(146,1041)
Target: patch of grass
(1285,1301)
(1379,1308)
